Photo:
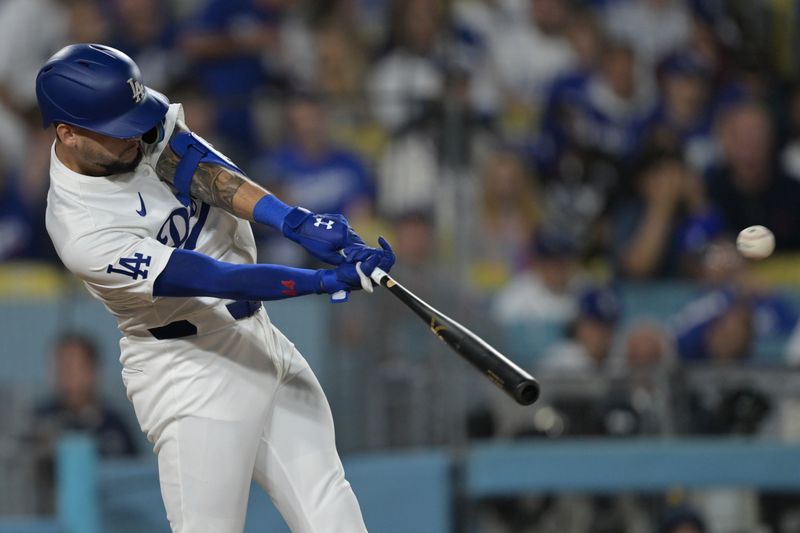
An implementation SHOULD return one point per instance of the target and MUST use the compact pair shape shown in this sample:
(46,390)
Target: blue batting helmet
(98,88)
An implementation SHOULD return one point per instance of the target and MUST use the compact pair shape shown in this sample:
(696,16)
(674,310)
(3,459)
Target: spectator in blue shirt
(685,117)
(607,111)
(310,170)
(229,43)
(718,327)
(22,233)
(662,230)
(726,324)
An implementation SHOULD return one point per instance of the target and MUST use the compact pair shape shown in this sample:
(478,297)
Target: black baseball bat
(500,370)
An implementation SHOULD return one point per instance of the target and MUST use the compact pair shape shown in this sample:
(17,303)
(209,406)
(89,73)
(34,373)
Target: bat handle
(378,275)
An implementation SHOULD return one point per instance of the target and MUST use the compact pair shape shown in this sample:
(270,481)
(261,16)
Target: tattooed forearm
(216,185)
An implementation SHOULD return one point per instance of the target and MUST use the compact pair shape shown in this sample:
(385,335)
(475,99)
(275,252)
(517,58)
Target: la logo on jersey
(181,229)
(137,89)
(131,266)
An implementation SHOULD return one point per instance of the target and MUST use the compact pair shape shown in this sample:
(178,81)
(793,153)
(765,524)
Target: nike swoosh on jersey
(143,211)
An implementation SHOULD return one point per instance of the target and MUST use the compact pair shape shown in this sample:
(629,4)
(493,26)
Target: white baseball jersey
(117,234)
(232,403)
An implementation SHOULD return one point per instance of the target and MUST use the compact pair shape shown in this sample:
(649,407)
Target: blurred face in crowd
(87,24)
(340,63)
(504,177)
(510,201)
(142,19)
(93,154)
(704,43)
(584,35)
(75,375)
(619,70)
(414,239)
(721,263)
(556,272)
(665,181)
(730,336)
(746,139)
(420,25)
(306,124)
(645,347)
(200,112)
(595,336)
(550,16)
(686,94)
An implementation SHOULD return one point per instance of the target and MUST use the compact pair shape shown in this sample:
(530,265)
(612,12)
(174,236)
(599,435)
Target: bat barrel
(503,372)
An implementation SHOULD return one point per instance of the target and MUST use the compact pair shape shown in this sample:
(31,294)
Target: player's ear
(65,133)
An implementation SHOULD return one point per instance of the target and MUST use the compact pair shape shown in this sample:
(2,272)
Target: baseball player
(155,223)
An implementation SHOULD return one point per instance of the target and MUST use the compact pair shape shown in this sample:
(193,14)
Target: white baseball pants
(233,405)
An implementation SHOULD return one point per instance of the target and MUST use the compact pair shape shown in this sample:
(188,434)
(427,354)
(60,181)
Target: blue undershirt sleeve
(270,211)
(190,273)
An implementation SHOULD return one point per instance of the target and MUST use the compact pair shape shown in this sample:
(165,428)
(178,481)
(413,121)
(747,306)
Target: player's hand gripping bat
(517,383)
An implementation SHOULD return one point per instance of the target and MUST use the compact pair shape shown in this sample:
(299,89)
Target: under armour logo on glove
(322,222)
(313,232)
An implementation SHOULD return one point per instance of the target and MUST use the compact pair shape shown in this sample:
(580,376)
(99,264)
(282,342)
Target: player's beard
(119,166)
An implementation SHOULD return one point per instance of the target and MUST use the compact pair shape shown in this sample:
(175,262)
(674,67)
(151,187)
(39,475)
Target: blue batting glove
(345,277)
(354,276)
(382,258)
(326,237)
(384,255)
(323,236)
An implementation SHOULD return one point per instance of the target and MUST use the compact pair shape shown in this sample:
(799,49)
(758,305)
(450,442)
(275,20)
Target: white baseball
(756,242)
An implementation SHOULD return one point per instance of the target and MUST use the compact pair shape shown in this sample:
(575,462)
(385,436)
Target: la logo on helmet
(137,89)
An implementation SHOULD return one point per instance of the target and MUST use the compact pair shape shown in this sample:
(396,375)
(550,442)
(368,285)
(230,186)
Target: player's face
(110,155)
(100,155)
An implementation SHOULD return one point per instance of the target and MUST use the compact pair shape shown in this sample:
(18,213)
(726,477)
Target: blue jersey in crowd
(236,75)
(579,114)
(327,184)
(773,318)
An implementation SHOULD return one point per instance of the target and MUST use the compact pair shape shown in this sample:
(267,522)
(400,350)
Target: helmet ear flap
(155,134)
